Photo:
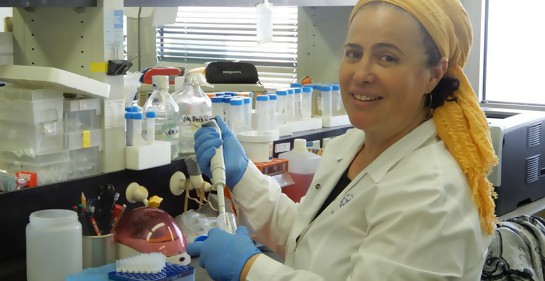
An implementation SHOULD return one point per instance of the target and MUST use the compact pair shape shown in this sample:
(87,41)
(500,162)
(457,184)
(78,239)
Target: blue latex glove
(223,255)
(207,139)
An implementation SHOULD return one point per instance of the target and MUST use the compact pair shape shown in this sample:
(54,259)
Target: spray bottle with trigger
(226,220)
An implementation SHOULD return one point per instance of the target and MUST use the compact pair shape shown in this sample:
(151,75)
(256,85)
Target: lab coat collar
(393,154)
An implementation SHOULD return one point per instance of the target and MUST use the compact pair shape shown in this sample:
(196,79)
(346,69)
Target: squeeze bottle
(302,165)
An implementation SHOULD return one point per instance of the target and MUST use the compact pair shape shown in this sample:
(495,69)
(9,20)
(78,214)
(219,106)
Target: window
(514,60)
(204,34)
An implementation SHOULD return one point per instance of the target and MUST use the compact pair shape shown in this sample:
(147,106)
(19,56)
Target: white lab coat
(407,216)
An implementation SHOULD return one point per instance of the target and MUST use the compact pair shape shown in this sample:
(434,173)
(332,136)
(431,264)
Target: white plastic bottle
(53,245)
(195,108)
(336,100)
(302,165)
(167,113)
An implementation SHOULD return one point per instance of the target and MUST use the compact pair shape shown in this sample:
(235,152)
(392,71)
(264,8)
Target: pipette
(217,169)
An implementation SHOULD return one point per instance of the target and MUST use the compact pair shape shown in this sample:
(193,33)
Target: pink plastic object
(150,230)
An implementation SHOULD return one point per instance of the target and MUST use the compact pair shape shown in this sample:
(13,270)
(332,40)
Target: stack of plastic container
(31,130)
(83,136)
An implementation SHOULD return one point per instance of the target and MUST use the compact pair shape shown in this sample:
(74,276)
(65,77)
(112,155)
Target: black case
(231,73)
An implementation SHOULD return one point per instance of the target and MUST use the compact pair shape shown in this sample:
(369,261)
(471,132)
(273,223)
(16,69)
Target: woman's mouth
(365,98)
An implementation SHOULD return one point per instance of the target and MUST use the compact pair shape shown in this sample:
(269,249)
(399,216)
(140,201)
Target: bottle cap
(300,145)
(236,101)
(151,114)
(217,99)
(296,85)
(262,98)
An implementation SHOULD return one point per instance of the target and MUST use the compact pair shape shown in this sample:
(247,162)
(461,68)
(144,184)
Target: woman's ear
(437,72)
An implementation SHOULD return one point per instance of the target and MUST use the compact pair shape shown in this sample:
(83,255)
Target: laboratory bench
(16,206)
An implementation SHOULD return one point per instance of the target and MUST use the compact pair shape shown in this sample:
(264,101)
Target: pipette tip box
(171,272)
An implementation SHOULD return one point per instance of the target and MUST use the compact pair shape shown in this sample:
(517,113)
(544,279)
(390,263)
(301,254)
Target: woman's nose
(364,72)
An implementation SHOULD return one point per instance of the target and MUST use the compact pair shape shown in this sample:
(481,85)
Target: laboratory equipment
(226,221)
(150,230)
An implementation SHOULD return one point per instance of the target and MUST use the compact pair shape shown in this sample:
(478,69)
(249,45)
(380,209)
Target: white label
(282,147)
(114,113)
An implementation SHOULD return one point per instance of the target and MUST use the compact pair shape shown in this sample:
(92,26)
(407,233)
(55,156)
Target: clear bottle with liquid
(166,112)
(302,165)
(195,108)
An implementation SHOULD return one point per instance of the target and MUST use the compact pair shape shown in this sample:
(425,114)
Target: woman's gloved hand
(207,139)
(224,255)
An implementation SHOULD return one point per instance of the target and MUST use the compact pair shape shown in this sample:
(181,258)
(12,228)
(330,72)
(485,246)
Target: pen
(94,224)
(116,215)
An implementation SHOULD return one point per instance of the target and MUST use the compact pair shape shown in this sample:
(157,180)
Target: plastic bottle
(302,165)
(336,100)
(297,104)
(150,124)
(217,106)
(271,111)
(195,108)
(325,92)
(281,107)
(236,115)
(247,113)
(306,109)
(261,108)
(167,113)
(53,245)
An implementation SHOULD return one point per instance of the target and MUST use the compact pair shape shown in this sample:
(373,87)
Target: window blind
(204,34)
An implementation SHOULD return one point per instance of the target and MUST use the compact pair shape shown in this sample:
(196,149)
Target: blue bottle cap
(296,85)
(236,101)
(151,114)
(262,98)
(217,99)
(137,116)
(272,96)
(307,89)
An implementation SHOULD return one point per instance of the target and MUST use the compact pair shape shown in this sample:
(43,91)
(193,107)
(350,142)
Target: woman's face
(383,76)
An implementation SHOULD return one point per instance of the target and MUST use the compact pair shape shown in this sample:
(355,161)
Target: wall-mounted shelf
(48,3)
(236,3)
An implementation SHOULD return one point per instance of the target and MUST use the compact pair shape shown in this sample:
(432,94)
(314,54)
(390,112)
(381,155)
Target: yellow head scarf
(462,124)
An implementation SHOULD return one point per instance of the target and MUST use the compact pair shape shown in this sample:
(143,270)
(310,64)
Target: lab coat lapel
(326,177)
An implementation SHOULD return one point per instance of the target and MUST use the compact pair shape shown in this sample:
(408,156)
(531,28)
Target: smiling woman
(391,196)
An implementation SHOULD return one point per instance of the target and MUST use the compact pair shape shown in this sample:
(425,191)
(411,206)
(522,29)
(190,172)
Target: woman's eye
(353,54)
(388,58)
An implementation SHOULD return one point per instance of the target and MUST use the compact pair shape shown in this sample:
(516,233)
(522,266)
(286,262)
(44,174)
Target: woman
(402,196)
